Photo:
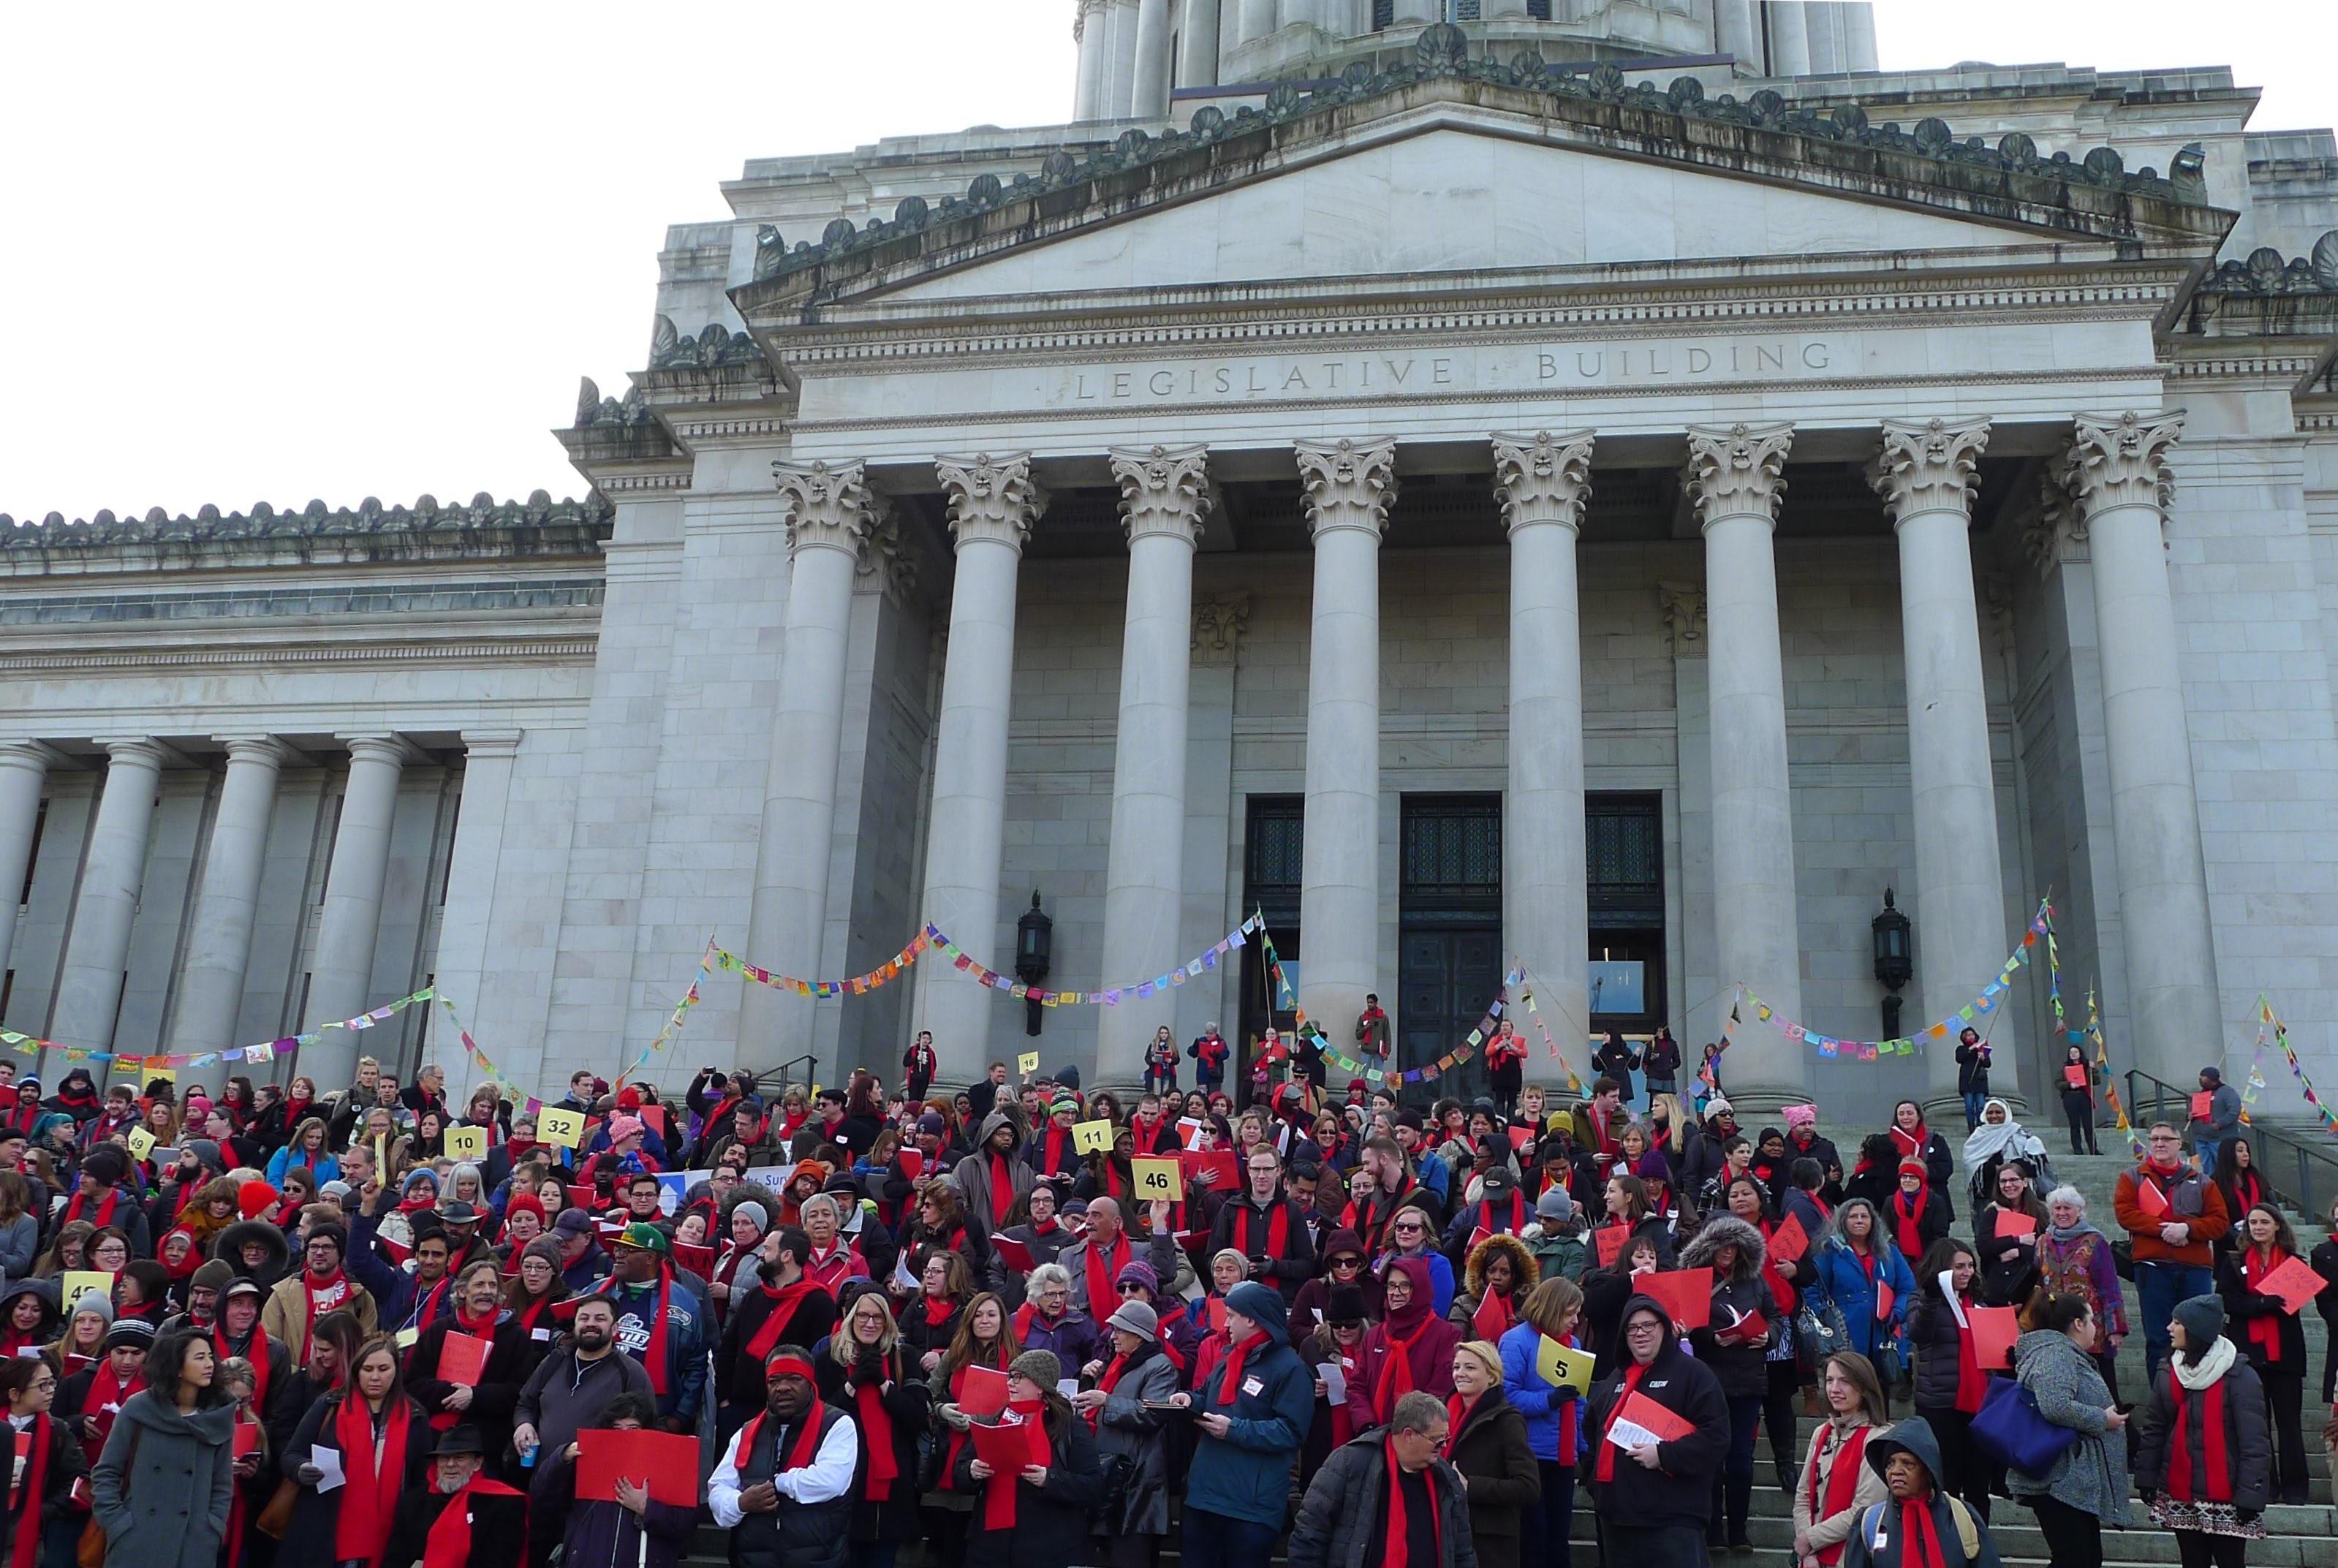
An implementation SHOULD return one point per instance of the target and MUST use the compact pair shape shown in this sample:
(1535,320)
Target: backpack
(1968,1528)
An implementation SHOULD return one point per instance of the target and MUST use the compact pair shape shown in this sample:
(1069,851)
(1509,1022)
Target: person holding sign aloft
(2265,1284)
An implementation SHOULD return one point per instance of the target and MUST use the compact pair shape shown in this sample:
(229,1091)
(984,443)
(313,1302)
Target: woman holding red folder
(2266,1330)
(2006,1232)
(1950,1382)
(986,1340)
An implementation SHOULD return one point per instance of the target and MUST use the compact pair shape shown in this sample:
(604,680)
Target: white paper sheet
(1335,1382)
(1630,1434)
(329,1460)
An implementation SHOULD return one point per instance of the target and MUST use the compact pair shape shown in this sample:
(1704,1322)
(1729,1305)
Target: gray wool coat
(1125,1426)
(163,1486)
(2091,1474)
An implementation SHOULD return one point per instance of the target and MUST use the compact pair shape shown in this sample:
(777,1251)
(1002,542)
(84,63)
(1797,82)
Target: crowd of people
(1015,1323)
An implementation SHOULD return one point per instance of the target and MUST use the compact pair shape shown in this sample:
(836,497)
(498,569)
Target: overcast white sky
(255,252)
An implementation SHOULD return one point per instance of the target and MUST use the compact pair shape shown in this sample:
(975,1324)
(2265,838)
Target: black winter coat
(1343,1519)
(2245,1431)
(895,1517)
(514,1357)
(315,1515)
(2008,1264)
(1489,1449)
(2245,1308)
(1933,1335)
(1051,1522)
(1679,1492)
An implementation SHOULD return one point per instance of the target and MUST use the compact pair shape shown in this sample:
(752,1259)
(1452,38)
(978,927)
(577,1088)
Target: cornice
(561,647)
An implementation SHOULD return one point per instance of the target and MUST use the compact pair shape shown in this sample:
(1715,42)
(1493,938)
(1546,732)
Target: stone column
(1257,19)
(830,511)
(97,948)
(1790,40)
(1735,475)
(477,873)
(1736,31)
(1120,64)
(1088,31)
(992,506)
(1150,100)
(340,968)
(1197,45)
(1926,477)
(219,943)
(2116,472)
(1543,483)
(23,774)
(1350,489)
(1164,494)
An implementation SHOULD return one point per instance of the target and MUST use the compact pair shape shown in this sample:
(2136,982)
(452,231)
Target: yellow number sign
(1158,1178)
(78,1281)
(563,1128)
(1092,1137)
(140,1142)
(466,1142)
(1027,1063)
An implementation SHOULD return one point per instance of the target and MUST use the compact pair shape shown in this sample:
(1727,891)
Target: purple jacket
(2084,1265)
(1073,1337)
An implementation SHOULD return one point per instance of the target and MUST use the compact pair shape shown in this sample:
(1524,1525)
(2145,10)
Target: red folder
(913,1163)
(2202,1103)
(1520,1137)
(696,1259)
(1007,1446)
(1610,1239)
(2076,1077)
(1994,1331)
(1217,1314)
(655,1116)
(462,1358)
(984,1391)
(2012,1222)
(581,1197)
(1014,1254)
(666,1461)
(2149,1198)
(1884,1297)
(247,1439)
(1641,1411)
(1750,1329)
(2296,1282)
(1789,1241)
(1225,1171)
(1687,1294)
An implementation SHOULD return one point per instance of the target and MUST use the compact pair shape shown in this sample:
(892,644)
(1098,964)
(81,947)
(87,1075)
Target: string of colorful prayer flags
(2281,1038)
(1190,969)
(892,969)
(267,1051)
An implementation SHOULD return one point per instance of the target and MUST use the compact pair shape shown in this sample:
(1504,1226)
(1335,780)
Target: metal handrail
(2279,1151)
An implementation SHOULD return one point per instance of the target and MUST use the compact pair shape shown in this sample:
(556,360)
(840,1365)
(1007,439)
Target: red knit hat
(257,1198)
(629,1098)
(525,1203)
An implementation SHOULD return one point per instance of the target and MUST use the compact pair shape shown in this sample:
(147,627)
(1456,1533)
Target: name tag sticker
(1253,1387)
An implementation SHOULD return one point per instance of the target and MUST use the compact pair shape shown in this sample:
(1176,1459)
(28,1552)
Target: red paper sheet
(1225,1171)
(696,1259)
(1217,1314)
(1994,1331)
(2149,1198)
(1670,1427)
(581,1197)
(1014,1254)
(247,1439)
(1884,1297)
(1007,1448)
(913,1163)
(2202,1103)
(2011,1223)
(667,1461)
(1687,1294)
(463,1359)
(1789,1241)
(984,1392)
(1610,1239)
(655,1116)
(2076,1077)
(2296,1282)
(1520,1137)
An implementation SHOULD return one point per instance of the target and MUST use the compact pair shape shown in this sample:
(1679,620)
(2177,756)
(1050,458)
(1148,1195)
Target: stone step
(2015,1530)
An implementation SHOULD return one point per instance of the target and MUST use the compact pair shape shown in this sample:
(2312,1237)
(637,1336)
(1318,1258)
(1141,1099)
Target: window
(1273,850)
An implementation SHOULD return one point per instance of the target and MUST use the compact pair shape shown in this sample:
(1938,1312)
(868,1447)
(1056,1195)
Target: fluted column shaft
(1349,489)
(1150,100)
(2116,467)
(831,512)
(1164,494)
(1543,483)
(340,970)
(992,506)
(1197,45)
(1737,477)
(1089,31)
(23,774)
(219,946)
(1120,68)
(97,948)
(1926,475)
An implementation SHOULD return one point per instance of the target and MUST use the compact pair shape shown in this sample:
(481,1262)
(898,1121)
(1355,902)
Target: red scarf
(1278,1230)
(319,1297)
(877,1431)
(1920,1543)
(370,1501)
(1843,1482)
(1105,1384)
(1396,1551)
(448,1544)
(653,1362)
(425,1310)
(1229,1385)
(26,1499)
(783,1301)
(256,1353)
(1972,1384)
(1567,1407)
(104,1401)
(1398,1380)
(1910,1145)
(1518,1217)
(1053,1147)
(104,1209)
(1104,1273)
(2217,1485)
(1907,1213)
(2264,1329)
(1002,1186)
(806,1450)
(938,1310)
(1604,1470)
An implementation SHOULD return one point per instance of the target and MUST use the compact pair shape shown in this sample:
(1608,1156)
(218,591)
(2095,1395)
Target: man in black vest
(784,1488)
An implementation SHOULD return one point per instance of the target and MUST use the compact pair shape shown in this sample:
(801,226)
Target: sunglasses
(1132,1289)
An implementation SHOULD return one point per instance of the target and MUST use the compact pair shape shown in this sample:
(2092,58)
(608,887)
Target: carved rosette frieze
(1346,486)
(1739,470)
(991,498)
(2118,460)
(1162,489)
(1218,626)
(1682,606)
(827,507)
(1932,466)
(1543,478)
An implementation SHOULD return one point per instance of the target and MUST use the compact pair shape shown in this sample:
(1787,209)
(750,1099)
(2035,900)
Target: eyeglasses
(1132,1289)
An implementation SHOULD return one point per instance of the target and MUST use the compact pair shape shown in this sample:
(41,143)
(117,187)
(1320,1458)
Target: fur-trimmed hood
(1524,1271)
(1720,1230)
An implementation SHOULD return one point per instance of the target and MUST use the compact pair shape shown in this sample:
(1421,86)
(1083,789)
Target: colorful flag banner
(1574,1085)
(2281,1038)
(672,1030)
(889,970)
(1286,1001)
(1193,968)
(267,1050)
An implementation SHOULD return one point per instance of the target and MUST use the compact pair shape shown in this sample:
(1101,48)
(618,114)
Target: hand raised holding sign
(564,1129)
(466,1142)
(1158,1178)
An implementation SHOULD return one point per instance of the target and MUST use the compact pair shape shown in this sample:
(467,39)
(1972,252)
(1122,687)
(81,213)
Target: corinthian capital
(1162,489)
(1346,486)
(1739,470)
(995,500)
(1928,467)
(1543,477)
(827,507)
(2120,459)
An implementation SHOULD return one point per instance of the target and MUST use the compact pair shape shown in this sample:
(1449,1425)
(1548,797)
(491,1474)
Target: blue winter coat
(1246,1474)
(1538,1401)
(689,1340)
(1843,1281)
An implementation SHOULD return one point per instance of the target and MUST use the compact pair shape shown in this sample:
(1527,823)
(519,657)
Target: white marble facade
(1753,455)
